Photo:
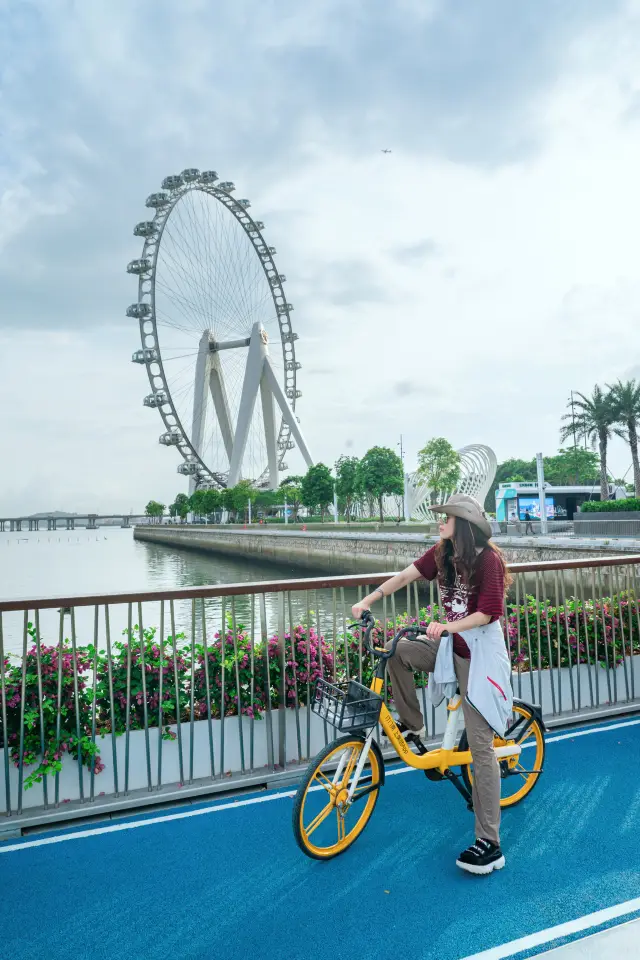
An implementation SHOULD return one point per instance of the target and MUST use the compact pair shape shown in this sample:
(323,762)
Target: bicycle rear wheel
(520,774)
(325,823)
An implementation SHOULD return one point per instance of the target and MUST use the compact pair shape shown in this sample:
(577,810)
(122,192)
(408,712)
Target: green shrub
(629,504)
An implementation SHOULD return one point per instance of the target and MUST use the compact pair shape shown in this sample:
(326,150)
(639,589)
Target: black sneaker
(481,857)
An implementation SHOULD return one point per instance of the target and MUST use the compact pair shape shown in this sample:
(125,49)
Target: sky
(460,286)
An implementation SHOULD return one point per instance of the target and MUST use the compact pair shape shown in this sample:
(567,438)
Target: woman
(472,578)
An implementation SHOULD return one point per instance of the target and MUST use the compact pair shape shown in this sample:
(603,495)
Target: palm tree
(626,405)
(594,419)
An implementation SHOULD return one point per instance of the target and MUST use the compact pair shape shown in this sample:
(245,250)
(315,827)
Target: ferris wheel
(210,304)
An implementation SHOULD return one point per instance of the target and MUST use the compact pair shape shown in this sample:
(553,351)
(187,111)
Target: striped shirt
(485,593)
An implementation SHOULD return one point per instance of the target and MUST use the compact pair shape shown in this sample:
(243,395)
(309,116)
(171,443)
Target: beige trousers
(415,655)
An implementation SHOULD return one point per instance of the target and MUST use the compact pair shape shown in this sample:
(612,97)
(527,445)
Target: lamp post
(405,484)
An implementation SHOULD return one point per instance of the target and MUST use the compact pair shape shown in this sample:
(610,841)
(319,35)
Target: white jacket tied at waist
(489,689)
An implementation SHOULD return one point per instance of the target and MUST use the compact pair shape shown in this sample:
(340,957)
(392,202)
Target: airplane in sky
(385,151)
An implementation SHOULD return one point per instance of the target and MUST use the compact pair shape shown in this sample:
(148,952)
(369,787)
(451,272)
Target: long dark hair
(459,555)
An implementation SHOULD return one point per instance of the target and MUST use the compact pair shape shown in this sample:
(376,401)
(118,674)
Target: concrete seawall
(341,553)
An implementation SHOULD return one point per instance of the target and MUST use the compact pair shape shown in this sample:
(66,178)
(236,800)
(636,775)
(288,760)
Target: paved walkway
(225,880)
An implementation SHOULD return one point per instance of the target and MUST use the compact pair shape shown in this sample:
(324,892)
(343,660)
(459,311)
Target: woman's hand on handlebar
(435,630)
(359,608)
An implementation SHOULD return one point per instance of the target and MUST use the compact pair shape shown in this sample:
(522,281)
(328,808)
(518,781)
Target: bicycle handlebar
(367,622)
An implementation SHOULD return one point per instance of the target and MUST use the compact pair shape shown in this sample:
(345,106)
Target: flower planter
(557,684)
(313,734)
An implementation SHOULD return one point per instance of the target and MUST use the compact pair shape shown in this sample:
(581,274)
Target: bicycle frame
(440,759)
(444,757)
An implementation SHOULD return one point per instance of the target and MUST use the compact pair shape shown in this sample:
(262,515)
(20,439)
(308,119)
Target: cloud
(513,178)
(405,387)
(417,252)
(345,283)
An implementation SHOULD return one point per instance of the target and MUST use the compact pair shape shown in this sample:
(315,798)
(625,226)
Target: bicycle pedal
(417,743)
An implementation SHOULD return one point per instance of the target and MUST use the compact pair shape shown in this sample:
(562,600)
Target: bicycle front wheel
(325,821)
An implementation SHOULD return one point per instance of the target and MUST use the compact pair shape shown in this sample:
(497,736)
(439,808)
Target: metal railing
(128,699)
(518,528)
(606,525)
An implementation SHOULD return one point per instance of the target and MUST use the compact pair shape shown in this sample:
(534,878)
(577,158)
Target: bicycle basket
(348,706)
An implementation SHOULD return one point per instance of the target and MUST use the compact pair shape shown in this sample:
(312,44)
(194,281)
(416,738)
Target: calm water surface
(109,560)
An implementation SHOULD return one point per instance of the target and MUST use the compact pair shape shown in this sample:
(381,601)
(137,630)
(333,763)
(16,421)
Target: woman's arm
(408,575)
(435,630)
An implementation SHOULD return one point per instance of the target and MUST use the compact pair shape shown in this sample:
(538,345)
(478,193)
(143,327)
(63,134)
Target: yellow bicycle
(339,790)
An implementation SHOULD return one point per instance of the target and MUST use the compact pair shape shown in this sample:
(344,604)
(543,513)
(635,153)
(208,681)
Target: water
(109,560)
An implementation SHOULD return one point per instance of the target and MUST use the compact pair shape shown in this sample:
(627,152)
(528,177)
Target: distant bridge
(93,520)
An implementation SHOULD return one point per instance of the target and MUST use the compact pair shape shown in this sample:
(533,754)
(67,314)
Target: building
(513,500)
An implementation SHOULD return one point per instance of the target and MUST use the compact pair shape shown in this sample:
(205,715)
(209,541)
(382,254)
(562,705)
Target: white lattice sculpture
(478,466)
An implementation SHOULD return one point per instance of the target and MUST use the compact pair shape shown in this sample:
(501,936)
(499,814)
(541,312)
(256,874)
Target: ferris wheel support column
(250,387)
(221,403)
(260,375)
(269,420)
(287,412)
(200,399)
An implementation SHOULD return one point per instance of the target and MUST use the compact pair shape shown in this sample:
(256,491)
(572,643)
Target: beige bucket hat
(462,505)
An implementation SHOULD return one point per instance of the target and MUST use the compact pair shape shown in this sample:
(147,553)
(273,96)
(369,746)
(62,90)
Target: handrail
(279,586)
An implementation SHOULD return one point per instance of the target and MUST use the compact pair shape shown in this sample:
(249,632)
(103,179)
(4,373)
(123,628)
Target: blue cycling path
(226,880)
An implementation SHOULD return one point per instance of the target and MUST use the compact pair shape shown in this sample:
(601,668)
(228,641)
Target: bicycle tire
(301,832)
(524,710)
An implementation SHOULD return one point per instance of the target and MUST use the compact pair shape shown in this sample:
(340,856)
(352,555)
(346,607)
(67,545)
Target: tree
(295,479)
(211,501)
(595,421)
(228,501)
(243,492)
(347,482)
(267,499)
(196,503)
(180,506)
(292,493)
(317,488)
(380,472)
(621,482)
(625,398)
(154,509)
(513,468)
(204,503)
(571,466)
(439,466)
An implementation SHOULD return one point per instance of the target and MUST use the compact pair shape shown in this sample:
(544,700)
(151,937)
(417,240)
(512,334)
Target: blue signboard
(532,505)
